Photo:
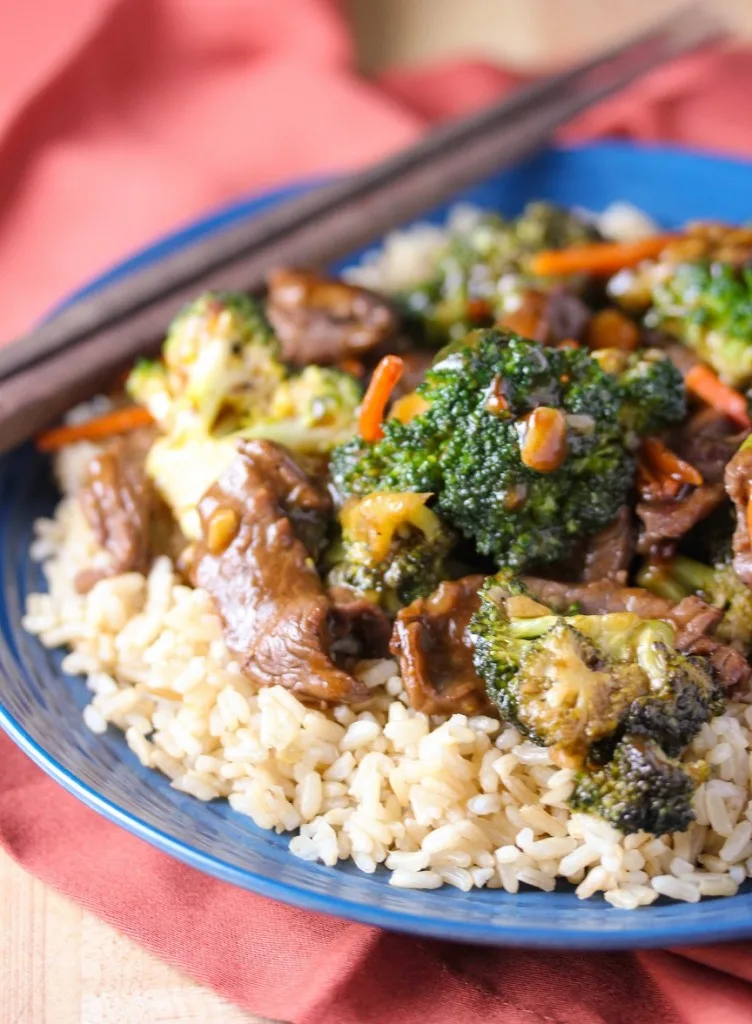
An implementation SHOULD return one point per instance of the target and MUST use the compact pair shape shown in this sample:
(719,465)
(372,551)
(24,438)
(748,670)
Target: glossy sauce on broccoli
(597,690)
(523,446)
(393,549)
(482,271)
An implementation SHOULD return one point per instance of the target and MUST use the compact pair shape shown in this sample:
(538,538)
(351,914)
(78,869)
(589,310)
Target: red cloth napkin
(121,119)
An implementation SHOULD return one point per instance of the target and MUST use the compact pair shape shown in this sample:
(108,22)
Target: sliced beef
(548,317)
(565,317)
(259,570)
(739,488)
(707,440)
(118,501)
(363,622)
(693,618)
(321,319)
(669,520)
(695,622)
(608,553)
(435,652)
(596,598)
(731,666)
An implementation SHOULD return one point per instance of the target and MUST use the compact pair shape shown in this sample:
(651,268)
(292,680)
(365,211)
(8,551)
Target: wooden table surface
(60,965)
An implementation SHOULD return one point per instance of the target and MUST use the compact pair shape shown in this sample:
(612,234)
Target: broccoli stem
(678,578)
(691,574)
(660,580)
(529,629)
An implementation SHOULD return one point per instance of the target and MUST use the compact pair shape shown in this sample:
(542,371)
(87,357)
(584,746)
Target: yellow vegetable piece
(373,520)
(408,407)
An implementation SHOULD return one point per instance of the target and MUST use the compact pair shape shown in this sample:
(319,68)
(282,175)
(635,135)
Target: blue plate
(40,707)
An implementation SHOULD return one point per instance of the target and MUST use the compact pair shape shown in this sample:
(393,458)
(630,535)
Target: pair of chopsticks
(70,357)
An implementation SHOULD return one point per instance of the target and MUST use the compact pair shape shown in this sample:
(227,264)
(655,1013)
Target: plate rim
(650,935)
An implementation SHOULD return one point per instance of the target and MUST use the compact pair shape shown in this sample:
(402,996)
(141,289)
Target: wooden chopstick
(67,359)
(192,266)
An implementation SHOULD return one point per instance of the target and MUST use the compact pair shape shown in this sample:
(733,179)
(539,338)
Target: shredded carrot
(652,488)
(668,464)
(120,421)
(656,479)
(383,382)
(600,258)
(704,384)
(569,343)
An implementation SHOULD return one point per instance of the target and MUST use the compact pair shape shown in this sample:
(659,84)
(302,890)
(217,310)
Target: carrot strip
(669,464)
(383,381)
(704,384)
(653,487)
(120,421)
(601,258)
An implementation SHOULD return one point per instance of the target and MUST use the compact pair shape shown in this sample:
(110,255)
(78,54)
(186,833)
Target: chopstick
(66,359)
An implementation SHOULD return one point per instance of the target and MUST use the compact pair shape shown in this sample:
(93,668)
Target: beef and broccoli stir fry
(528,475)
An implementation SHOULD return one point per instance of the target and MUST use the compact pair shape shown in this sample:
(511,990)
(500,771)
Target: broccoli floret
(311,412)
(608,694)
(718,585)
(708,305)
(640,789)
(484,266)
(148,385)
(653,391)
(684,694)
(571,682)
(566,681)
(476,445)
(393,549)
(406,459)
(219,370)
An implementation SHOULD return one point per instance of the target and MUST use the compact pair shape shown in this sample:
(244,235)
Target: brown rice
(458,801)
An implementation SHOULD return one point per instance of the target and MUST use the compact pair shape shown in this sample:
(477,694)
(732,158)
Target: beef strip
(670,520)
(707,440)
(364,622)
(548,317)
(596,598)
(118,499)
(435,652)
(693,618)
(695,621)
(127,515)
(608,553)
(739,488)
(277,617)
(565,317)
(321,319)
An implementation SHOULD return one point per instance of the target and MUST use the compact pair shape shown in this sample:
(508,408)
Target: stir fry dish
(444,564)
